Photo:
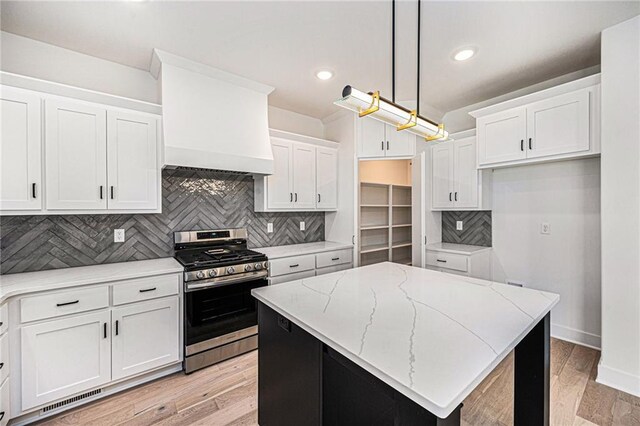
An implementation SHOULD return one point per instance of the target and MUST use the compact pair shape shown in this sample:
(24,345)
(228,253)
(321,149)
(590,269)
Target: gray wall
(190,200)
(476,228)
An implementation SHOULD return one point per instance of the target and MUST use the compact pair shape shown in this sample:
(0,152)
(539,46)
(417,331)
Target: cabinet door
(442,175)
(133,167)
(399,144)
(76,156)
(145,336)
(372,142)
(279,184)
(327,178)
(501,136)
(64,357)
(20,150)
(304,176)
(559,125)
(5,402)
(465,173)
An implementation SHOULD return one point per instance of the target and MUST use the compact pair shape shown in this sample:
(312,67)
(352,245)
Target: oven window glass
(217,311)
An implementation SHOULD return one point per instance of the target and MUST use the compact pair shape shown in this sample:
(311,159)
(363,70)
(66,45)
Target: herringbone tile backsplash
(190,200)
(476,229)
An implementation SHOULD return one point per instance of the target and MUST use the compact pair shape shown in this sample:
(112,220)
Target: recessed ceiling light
(324,74)
(464,54)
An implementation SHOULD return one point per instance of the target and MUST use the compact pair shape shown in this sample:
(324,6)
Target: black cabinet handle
(117,328)
(294,265)
(296,197)
(144,290)
(521,144)
(1,323)
(104,330)
(450,197)
(455,196)
(387,145)
(382,145)
(101,192)
(112,192)
(33,190)
(440,260)
(67,303)
(530,143)
(335,258)
(318,197)
(291,197)
(284,324)
(1,415)
(1,365)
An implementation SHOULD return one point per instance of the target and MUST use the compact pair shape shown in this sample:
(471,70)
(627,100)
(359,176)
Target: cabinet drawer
(4,357)
(332,258)
(457,262)
(291,277)
(290,265)
(63,303)
(145,289)
(5,414)
(4,318)
(330,269)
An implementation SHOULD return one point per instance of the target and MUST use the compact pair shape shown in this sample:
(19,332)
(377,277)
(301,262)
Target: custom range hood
(212,119)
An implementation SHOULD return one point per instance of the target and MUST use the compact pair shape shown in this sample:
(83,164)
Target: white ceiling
(284,43)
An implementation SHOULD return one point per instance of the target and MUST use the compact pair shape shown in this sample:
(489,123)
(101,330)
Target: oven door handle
(226,280)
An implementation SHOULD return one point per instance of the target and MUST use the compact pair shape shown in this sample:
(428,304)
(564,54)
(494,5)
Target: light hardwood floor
(225,394)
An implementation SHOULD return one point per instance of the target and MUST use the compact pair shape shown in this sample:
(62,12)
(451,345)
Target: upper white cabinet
(557,123)
(97,158)
(76,156)
(379,140)
(456,182)
(305,176)
(20,150)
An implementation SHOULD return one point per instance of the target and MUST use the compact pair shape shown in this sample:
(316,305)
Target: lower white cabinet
(293,268)
(145,336)
(475,263)
(65,356)
(5,406)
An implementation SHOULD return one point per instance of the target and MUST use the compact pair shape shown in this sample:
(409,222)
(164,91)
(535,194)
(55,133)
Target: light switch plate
(302,226)
(545,228)
(458,225)
(269,227)
(118,235)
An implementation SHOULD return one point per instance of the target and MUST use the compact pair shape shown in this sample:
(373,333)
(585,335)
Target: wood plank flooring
(225,394)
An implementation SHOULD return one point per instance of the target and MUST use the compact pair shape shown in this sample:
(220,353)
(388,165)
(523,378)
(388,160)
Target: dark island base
(302,381)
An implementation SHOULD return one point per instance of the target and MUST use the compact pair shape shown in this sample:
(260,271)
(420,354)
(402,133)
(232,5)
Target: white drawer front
(4,403)
(145,289)
(4,318)
(63,303)
(291,277)
(4,357)
(291,265)
(330,269)
(332,258)
(457,262)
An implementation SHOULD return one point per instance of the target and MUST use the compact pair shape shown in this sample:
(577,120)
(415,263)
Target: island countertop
(431,336)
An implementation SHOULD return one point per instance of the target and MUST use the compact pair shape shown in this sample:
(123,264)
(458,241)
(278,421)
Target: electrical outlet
(302,226)
(118,235)
(269,227)
(545,228)
(458,225)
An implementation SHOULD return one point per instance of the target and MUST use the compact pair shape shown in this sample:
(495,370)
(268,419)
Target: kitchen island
(394,344)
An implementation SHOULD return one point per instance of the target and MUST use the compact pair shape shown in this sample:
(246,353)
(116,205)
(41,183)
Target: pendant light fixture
(388,111)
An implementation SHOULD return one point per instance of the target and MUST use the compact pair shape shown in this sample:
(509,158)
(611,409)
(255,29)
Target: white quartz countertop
(432,336)
(31,282)
(301,249)
(457,248)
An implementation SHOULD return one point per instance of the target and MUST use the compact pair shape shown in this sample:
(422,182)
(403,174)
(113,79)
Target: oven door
(218,315)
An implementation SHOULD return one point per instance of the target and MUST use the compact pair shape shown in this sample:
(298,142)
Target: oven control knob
(200,275)
(265,265)
(248,267)
(213,273)
(231,270)
(258,266)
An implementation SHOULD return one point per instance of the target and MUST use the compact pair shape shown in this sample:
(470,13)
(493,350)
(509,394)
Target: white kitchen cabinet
(64,356)
(145,336)
(5,403)
(20,150)
(379,140)
(76,155)
(456,182)
(327,178)
(133,167)
(305,176)
(555,124)
(460,259)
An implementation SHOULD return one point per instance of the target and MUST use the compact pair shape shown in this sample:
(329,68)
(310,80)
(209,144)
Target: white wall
(620,363)
(290,121)
(566,261)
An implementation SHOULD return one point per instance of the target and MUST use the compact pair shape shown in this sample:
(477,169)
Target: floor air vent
(70,400)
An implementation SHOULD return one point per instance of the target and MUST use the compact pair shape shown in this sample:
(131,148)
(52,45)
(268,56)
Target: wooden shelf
(403,244)
(402,225)
(374,248)
(374,205)
(402,205)
(368,228)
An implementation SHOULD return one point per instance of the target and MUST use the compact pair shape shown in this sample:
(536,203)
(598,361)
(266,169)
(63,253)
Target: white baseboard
(575,336)
(618,379)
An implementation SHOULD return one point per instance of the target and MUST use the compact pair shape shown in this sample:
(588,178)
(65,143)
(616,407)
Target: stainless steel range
(220,313)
